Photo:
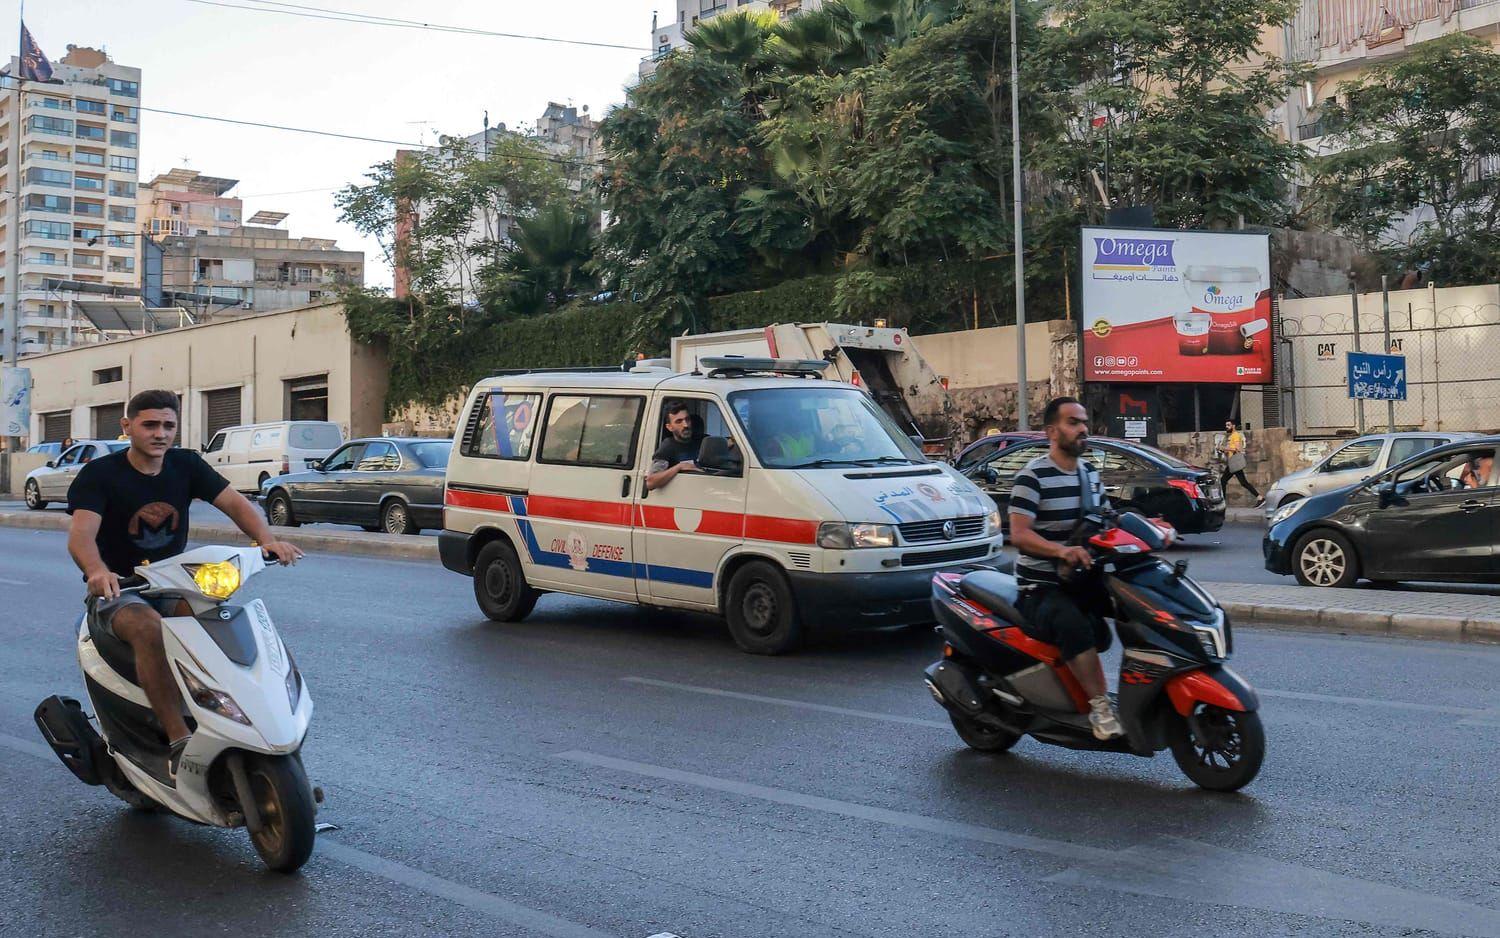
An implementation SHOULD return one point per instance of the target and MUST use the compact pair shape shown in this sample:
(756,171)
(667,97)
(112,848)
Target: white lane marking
(9,582)
(470,898)
(786,702)
(1167,867)
(1376,702)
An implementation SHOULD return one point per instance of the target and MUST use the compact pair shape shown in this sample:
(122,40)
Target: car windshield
(432,455)
(810,425)
(116,446)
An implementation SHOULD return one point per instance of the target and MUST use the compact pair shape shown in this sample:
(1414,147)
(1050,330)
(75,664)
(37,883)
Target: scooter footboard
(1217,687)
(953,687)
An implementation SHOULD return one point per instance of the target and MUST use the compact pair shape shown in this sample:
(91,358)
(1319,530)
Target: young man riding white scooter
(131,507)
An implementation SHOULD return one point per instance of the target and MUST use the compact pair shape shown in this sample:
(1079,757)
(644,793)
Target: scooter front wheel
(1218,749)
(284,801)
(983,738)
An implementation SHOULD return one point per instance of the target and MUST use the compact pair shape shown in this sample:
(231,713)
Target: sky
(396,84)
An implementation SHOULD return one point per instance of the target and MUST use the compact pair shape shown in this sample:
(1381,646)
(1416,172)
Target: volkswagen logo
(950,530)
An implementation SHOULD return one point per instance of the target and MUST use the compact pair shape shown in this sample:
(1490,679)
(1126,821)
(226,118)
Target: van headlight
(841,535)
(1287,510)
(216,580)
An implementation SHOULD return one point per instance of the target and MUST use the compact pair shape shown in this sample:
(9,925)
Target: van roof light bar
(733,366)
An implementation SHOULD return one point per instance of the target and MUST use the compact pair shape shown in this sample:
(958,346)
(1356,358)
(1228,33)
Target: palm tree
(552,248)
(737,38)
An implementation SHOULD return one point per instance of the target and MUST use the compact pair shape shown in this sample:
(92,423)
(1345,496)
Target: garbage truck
(883,361)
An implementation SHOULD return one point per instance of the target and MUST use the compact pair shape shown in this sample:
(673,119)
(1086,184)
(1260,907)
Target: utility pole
(1390,404)
(12,357)
(1359,403)
(1023,417)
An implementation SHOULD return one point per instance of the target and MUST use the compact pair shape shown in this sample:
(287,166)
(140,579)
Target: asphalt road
(600,771)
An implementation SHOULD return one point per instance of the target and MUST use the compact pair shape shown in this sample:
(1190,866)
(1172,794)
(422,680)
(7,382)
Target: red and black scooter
(999,684)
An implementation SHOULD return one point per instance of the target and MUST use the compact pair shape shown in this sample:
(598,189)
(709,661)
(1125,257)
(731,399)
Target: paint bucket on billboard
(1227,295)
(1192,332)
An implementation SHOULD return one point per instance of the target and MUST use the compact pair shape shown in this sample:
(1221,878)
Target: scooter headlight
(215,701)
(293,681)
(216,580)
(1212,637)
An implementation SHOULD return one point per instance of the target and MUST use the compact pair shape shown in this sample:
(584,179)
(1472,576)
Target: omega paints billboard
(1176,306)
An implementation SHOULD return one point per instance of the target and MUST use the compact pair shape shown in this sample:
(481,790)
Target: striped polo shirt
(1050,496)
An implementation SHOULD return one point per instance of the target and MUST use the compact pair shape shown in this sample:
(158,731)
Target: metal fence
(1452,361)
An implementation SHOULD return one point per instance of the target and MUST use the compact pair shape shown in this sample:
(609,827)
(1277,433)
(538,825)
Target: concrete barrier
(18,466)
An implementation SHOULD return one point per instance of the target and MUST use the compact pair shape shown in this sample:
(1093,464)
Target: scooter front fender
(1217,686)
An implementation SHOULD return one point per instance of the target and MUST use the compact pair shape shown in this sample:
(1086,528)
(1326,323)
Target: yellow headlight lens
(217,580)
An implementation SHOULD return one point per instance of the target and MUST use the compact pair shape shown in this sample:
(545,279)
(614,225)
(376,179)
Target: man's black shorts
(1074,622)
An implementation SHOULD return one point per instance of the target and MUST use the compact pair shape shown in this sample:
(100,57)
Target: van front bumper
(851,601)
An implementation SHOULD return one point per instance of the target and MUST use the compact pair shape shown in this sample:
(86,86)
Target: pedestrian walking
(1234,462)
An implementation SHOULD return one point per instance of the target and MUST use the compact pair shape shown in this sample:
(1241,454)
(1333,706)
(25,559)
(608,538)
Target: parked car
(391,484)
(1415,521)
(1135,476)
(247,456)
(987,446)
(50,450)
(50,482)
(1352,462)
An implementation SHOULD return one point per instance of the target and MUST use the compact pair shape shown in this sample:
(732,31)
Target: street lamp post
(1023,418)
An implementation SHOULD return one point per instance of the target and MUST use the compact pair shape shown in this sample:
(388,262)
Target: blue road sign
(1377,377)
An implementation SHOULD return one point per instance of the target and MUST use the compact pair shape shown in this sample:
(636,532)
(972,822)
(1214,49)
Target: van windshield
(807,426)
(316,436)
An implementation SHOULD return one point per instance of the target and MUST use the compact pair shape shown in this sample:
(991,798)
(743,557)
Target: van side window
(592,430)
(509,436)
(216,444)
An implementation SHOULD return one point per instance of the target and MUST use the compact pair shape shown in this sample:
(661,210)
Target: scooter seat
(116,653)
(995,591)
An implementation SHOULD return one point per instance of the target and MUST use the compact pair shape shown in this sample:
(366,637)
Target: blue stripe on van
(703,579)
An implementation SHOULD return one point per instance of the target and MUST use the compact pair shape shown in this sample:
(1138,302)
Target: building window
(53,230)
(85,106)
(90,132)
(122,164)
(304,275)
(109,375)
(49,203)
(124,114)
(90,183)
(122,213)
(119,86)
(122,189)
(40,123)
(88,158)
(87,233)
(123,138)
(307,398)
(89,209)
(49,177)
(122,265)
(46,258)
(55,104)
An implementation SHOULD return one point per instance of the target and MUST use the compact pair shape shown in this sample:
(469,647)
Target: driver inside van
(678,451)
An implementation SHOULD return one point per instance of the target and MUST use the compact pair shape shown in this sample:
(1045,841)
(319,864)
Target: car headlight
(992,522)
(210,699)
(216,580)
(1287,510)
(840,535)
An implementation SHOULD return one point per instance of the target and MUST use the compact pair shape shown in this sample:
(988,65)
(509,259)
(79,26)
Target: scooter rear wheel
(983,738)
(1229,752)
(284,800)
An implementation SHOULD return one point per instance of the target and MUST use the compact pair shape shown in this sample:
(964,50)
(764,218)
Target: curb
(1244,516)
(390,546)
(1311,618)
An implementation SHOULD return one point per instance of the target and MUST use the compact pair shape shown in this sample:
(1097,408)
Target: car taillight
(1188,486)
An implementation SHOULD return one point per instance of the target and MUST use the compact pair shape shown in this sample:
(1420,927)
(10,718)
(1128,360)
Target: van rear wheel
(500,586)
(761,611)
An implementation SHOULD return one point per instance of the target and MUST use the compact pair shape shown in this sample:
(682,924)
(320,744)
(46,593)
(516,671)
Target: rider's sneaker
(1103,719)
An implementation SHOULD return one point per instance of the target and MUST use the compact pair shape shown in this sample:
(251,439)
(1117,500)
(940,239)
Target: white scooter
(244,698)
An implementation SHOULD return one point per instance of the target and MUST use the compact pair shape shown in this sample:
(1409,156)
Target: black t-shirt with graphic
(673,451)
(145,517)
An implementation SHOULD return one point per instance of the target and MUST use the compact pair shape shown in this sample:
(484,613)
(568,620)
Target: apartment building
(184,202)
(666,36)
(75,173)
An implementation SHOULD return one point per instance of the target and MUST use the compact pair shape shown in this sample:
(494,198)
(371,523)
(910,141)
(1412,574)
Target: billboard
(15,402)
(1176,306)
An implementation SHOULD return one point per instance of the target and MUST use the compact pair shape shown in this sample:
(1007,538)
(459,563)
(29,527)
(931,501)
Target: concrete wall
(254,353)
(976,358)
(1269,455)
(15,466)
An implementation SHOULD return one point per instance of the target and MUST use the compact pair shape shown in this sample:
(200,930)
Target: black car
(391,484)
(1135,476)
(1434,517)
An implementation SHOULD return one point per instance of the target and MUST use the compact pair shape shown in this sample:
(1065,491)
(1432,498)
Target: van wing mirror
(716,455)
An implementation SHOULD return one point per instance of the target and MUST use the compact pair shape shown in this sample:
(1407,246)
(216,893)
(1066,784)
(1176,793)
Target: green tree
(549,266)
(1418,150)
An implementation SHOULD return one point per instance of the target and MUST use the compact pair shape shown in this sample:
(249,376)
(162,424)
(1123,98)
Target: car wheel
(761,612)
(1325,558)
(395,518)
(500,585)
(260,483)
(279,511)
(34,499)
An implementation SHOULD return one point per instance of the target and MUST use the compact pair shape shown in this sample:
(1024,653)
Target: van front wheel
(761,612)
(499,584)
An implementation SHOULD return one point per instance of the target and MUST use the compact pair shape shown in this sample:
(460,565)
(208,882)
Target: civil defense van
(249,455)
(809,509)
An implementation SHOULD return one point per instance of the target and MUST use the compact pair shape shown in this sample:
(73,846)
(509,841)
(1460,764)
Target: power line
(339,16)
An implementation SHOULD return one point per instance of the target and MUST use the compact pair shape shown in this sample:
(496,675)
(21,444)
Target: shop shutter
(107,419)
(221,410)
(57,427)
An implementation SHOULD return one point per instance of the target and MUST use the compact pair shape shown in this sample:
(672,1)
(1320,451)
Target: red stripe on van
(654,517)
(578,509)
(461,499)
(715,523)
(786,530)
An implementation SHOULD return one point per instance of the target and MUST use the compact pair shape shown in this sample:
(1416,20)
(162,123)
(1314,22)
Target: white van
(247,456)
(809,507)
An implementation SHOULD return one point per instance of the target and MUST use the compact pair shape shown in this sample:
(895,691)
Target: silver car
(50,483)
(1353,462)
